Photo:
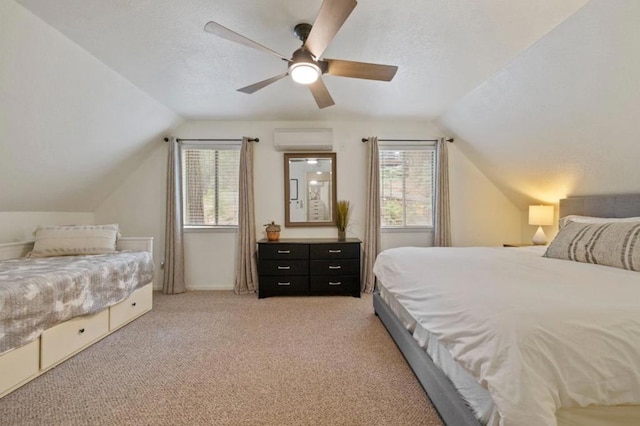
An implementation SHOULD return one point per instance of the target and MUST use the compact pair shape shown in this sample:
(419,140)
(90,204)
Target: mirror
(309,189)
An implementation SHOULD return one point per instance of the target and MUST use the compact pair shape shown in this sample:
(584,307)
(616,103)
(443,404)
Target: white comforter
(538,333)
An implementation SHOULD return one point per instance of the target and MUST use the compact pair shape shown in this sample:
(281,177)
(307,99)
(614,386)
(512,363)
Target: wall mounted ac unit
(303,139)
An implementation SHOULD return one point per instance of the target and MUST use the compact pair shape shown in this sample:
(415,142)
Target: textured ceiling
(71,129)
(562,118)
(444,50)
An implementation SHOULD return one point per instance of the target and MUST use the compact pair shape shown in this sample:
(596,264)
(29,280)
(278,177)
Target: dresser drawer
(136,304)
(335,251)
(335,267)
(273,286)
(335,284)
(283,267)
(64,340)
(283,251)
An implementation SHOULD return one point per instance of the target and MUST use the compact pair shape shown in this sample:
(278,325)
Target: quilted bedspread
(38,293)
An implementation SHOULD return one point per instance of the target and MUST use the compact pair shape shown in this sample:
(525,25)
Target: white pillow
(591,219)
(74,240)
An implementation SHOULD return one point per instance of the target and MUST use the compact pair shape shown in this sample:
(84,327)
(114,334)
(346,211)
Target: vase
(273,235)
(342,235)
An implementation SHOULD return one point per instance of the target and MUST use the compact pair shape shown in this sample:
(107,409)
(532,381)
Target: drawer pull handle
(335,267)
(284,267)
(81,331)
(284,251)
(335,251)
(279,283)
(133,304)
(336,283)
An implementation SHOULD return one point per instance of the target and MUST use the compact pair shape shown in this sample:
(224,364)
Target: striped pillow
(614,244)
(74,240)
(590,219)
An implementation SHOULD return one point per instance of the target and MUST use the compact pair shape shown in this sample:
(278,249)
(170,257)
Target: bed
(53,307)
(463,332)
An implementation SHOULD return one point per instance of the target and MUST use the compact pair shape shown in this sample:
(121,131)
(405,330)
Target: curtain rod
(256,140)
(364,140)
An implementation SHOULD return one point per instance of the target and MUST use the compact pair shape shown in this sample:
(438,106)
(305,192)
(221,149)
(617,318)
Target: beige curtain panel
(372,214)
(442,231)
(246,280)
(173,243)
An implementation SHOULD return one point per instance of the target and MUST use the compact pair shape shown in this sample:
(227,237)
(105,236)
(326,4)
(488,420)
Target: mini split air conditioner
(303,139)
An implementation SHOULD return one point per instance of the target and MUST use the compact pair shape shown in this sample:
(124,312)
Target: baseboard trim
(209,287)
(201,288)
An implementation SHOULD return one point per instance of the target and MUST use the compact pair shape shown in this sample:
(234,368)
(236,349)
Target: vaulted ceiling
(542,96)
(561,118)
(444,49)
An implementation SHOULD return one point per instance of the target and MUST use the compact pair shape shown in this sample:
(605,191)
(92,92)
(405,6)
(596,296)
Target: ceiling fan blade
(360,70)
(226,33)
(330,19)
(262,84)
(321,94)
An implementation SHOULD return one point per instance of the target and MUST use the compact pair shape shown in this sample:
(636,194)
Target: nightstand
(518,245)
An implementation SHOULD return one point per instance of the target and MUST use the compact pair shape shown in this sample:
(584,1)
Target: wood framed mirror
(309,189)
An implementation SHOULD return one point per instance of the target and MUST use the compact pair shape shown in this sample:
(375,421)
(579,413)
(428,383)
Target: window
(407,176)
(210,185)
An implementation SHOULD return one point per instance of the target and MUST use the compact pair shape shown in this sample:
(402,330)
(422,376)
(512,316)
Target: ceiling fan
(305,65)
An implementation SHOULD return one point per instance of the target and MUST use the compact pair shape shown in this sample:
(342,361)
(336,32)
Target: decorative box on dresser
(314,266)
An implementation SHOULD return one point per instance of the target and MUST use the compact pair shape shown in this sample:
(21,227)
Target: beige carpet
(214,358)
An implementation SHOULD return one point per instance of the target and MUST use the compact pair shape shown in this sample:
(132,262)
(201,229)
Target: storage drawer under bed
(18,366)
(139,302)
(63,340)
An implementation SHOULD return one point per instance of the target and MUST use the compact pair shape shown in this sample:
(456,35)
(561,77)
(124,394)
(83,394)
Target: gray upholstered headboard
(626,205)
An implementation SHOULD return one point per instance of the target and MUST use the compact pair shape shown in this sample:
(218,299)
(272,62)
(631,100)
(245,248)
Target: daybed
(61,315)
(507,336)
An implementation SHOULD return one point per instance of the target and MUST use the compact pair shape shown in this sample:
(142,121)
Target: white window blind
(210,185)
(407,176)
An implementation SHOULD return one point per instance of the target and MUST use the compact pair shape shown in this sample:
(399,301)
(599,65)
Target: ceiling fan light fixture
(304,72)
(305,66)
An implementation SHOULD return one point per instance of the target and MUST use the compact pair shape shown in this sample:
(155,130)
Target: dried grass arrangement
(343,210)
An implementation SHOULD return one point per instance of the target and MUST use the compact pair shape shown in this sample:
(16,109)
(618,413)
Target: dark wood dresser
(315,266)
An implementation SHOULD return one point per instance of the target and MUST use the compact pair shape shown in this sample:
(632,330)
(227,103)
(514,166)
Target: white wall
(481,215)
(138,204)
(19,226)
(210,260)
(561,118)
(71,129)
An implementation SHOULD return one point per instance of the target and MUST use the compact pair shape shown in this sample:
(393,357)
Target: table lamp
(540,215)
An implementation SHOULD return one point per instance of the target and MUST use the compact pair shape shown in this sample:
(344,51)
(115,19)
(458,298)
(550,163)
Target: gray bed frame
(444,396)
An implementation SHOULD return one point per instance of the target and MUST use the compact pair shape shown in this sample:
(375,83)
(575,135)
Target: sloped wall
(71,129)
(562,118)
(138,204)
(481,215)
(20,226)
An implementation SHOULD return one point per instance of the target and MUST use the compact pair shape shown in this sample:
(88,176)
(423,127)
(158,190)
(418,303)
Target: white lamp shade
(540,215)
